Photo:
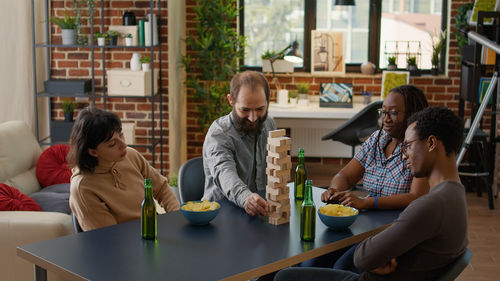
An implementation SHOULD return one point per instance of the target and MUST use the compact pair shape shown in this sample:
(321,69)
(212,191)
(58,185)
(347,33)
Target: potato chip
(337,210)
(202,206)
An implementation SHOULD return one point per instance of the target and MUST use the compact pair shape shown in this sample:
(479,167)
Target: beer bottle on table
(308,215)
(148,217)
(300,176)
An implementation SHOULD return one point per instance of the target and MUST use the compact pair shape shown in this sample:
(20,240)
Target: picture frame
(392,79)
(335,95)
(483,5)
(327,52)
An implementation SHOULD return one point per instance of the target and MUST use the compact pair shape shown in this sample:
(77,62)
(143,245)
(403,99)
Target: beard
(243,124)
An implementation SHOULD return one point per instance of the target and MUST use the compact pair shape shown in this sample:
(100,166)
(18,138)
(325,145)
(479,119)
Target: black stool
(474,169)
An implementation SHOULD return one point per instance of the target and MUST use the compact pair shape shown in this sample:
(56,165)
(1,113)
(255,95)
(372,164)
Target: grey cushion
(54,198)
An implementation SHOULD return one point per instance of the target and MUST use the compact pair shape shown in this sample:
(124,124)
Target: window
(372,29)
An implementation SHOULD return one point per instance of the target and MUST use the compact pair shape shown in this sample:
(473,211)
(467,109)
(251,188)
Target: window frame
(375,21)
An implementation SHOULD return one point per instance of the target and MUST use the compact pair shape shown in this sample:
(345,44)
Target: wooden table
(234,246)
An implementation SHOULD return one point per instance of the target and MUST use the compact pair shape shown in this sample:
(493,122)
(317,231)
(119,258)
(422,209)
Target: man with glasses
(431,233)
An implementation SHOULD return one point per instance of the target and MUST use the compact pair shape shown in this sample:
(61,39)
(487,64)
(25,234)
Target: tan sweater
(114,194)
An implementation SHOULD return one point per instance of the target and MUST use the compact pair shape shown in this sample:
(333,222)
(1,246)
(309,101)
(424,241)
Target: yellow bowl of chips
(200,212)
(336,216)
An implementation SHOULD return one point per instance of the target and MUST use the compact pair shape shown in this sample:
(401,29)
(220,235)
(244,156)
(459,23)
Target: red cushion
(12,199)
(52,167)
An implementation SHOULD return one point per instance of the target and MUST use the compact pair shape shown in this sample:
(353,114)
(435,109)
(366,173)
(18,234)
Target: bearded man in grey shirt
(431,232)
(234,151)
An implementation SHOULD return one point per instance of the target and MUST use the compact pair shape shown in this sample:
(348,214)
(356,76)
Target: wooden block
(278,197)
(278,221)
(279,155)
(272,184)
(279,204)
(278,190)
(279,141)
(277,133)
(277,149)
(279,161)
(281,179)
(280,167)
(277,173)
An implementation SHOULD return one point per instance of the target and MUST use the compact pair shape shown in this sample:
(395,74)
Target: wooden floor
(484,230)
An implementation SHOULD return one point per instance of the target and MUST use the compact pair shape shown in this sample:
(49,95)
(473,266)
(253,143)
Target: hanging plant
(217,48)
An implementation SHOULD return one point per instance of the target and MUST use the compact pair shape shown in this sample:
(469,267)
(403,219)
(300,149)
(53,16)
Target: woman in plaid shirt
(379,162)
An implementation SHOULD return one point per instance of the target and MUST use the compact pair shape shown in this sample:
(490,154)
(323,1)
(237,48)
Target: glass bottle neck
(308,195)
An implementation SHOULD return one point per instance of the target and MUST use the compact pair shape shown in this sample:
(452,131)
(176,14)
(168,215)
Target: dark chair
(191,180)
(357,129)
(454,269)
(76,225)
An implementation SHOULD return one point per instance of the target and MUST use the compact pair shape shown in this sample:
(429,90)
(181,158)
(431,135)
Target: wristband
(375,202)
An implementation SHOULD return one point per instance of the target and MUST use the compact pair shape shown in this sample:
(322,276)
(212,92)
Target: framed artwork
(484,83)
(327,52)
(335,95)
(392,79)
(483,5)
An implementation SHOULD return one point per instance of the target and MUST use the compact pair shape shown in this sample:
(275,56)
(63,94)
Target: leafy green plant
(145,59)
(100,35)
(437,45)
(172,180)
(268,54)
(68,106)
(111,33)
(391,60)
(67,22)
(214,51)
(303,88)
(293,94)
(128,35)
(462,24)
(411,61)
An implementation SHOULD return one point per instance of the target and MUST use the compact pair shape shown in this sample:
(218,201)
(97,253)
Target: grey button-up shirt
(234,162)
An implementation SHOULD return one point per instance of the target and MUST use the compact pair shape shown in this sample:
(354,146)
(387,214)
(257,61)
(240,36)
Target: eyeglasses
(392,114)
(406,146)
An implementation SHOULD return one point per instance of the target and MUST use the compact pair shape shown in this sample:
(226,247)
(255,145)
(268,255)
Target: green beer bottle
(148,217)
(308,215)
(300,176)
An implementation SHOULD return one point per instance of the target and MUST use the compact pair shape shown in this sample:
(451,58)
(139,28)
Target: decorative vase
(68,36)
(101,41)
(128,41)
(113,40)
(135,62)
(128,18)
(145,67)
(392,67)
(68,116)
(293,101)
(435,70)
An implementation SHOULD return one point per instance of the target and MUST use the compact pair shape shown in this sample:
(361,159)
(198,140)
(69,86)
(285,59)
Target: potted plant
(68,25)
(292,95)
(411,65)
(113,37)
(465,49)
(437,45)
(68,106)
(172,181)
(101,38)
(218,62)
(128,39)
(391,63)
(280,65)
(303,91)
(145,60)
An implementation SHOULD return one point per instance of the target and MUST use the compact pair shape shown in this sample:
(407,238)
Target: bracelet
(375,202)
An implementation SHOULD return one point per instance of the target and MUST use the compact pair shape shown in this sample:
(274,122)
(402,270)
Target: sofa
(19,152)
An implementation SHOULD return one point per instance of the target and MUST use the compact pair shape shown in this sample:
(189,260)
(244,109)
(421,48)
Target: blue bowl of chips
(200,212)
(338,217)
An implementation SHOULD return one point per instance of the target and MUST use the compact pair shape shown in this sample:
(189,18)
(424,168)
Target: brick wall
(75,63)
(68,63)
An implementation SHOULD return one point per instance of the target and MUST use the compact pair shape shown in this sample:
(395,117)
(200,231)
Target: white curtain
(16,63)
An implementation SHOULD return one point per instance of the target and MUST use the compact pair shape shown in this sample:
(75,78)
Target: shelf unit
(152,141)
(471,71)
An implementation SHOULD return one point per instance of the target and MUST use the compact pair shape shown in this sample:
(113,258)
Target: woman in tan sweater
(107,186)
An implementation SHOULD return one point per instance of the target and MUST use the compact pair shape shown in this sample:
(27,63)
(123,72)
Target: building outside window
(274,24)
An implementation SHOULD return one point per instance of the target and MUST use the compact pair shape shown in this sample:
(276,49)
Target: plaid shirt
(383,176)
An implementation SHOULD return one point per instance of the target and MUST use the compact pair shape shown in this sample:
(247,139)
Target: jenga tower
(278,168)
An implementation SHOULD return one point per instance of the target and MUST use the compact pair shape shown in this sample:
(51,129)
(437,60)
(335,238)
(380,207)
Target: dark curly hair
(441,123)
(414,98)
(92,127)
